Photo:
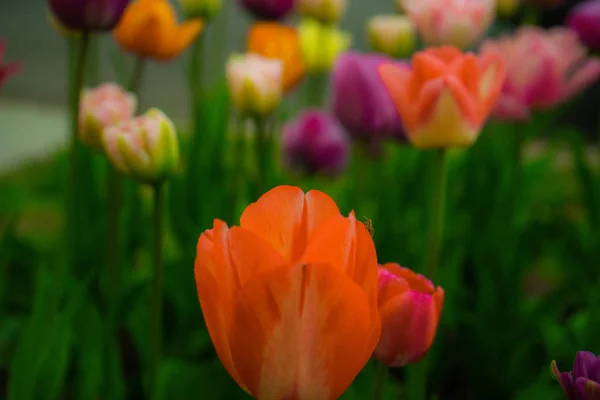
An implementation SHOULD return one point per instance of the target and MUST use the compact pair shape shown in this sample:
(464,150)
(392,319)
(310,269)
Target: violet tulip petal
(360,100)
(587,389)
(584,19)
(268,9)
(565,379)
(88,15)
(583,360)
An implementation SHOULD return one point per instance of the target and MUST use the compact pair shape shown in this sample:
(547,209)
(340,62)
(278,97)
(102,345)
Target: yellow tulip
(321,44)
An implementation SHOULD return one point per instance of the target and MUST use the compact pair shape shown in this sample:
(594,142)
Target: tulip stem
(436,215)
(156,301)
(195,73)
(136,75)
(381,371)
(77,80)
(316,85)
(261,140)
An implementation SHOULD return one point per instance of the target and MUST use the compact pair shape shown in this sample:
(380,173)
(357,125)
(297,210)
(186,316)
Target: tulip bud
(459,23)
(102,107)
(393,35)
(326,11)
(268,9)
(410,307)
(360,100)
(321,45)
(60,28)
(88,15)
(583,383)
(255,84)
(206,9)
(145,148)
(315,143)
(584,19)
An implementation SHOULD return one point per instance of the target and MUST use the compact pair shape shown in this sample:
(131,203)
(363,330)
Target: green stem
(380,378)
(436,215)
(239,164)
(136,75)
(157,288)
(195,74)
(77,80)
(222,33)
(316,83)
(261,141)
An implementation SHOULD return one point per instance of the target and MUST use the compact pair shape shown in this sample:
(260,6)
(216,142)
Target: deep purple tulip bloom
(585,20)
(88,15)
(271,10)
(316,143)
(583,383)
(361,102)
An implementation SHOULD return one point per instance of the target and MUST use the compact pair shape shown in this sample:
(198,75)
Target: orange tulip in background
(149,29)
(273,40)
(446,97)
(410,307)
(289,297)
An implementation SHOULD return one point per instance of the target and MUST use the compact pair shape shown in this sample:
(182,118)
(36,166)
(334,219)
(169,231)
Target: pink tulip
(459,23)
(544,68)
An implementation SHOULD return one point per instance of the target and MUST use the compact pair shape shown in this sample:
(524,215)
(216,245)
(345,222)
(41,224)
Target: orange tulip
(149,29)
(273,40)
(290,296)
(446,97)
(410,307)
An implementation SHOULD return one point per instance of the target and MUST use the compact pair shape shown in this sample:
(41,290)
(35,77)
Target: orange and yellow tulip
(447,95)
(273,40)
(149,29)
(410,307)
(289,297)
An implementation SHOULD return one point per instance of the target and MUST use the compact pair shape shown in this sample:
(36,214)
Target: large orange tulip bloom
(290,296)
(149,29)
(273,40)
(446,96)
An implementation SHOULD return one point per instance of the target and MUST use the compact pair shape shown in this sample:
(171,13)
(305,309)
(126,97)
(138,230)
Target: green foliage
(519,265)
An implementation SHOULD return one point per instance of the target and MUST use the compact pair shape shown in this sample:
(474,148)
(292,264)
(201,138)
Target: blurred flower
(254,83)
(360,100)
(149,29)
(60,27)
(447,96)
(102,107)
(145,148)
(393,35)
(315,143)
(290,296)
(459,23)
(273,40)
(268,9)
(544,4)
(543,68)
(321,44)
(326,11)
(410,307)
(6,70)
(507,8)
(584,19)
(206,9)
(583,383)
(88,15)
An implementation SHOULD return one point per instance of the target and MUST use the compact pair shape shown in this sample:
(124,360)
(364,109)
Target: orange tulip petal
(215,298)
(300,333)
(493,72)
(180,38)
(250,255)
(447,54)
(284,217)
(468,72)
(428,98)
(396,80)
(468,104)
(139,29)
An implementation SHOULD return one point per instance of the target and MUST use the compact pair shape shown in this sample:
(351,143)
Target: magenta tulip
(268,9)
(88,15)
(315,143)
(585,20)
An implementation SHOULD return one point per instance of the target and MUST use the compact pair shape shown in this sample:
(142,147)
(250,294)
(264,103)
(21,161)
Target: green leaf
(89,353)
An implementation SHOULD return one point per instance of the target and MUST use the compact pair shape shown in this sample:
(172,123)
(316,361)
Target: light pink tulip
(459,23)
(544,68)
(103,107)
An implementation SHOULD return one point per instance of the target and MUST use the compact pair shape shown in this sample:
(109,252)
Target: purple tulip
(583,383)
(585,20)
(361,102)
(268,9)
(315,143)
(88,15)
